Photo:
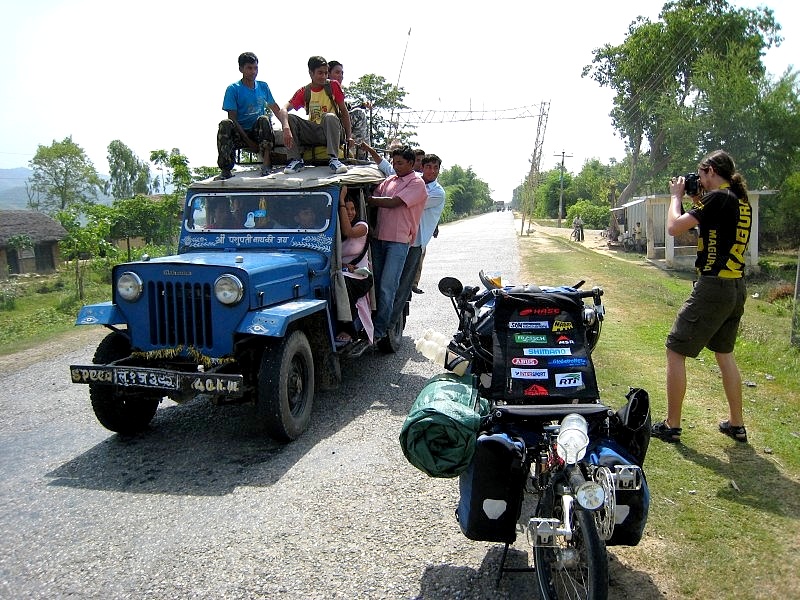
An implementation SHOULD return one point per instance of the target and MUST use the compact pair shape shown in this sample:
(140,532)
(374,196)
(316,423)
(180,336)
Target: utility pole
(561,191)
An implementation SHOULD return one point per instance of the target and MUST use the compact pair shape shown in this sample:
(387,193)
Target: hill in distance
(13,195)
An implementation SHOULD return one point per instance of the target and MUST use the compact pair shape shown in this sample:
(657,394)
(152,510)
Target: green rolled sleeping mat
(438,436)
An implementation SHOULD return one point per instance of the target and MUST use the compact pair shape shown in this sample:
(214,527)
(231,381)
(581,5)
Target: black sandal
(737,432)
(664,432)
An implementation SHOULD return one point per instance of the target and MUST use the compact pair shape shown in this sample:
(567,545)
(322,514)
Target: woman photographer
(710,316)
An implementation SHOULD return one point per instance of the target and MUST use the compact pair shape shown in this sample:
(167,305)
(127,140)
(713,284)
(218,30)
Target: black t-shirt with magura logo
(725,222)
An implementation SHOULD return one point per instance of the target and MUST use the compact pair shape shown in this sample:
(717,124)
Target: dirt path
(60,344)
(593,240)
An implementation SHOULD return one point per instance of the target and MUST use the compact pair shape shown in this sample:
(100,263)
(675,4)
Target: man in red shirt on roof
(323,101)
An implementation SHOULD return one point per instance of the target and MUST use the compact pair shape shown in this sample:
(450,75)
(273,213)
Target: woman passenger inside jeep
(355,266)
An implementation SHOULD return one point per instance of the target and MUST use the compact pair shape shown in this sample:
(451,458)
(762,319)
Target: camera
(692,184)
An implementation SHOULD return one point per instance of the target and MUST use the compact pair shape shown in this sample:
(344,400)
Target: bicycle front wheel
(576,569)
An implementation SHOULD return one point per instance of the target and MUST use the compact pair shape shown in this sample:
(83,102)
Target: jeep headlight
(228,289)
(129,286)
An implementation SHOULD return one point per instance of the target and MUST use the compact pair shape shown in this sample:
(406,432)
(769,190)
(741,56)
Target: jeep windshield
(250,212)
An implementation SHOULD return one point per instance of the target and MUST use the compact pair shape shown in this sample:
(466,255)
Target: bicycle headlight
(590,495)
(228,289)
(573,438)
(129,286)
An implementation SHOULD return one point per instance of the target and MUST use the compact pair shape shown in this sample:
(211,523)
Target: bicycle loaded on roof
(519,413)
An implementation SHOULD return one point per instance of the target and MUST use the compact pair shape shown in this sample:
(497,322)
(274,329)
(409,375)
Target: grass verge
(37,309)
(725,517)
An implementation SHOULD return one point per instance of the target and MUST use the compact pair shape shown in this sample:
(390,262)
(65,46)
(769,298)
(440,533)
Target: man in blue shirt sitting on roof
(248,125)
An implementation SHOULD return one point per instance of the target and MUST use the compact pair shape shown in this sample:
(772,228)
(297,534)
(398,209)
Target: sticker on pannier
(540,348)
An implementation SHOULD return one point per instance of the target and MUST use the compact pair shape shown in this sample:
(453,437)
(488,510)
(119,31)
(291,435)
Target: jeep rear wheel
(286,387)
(124,410)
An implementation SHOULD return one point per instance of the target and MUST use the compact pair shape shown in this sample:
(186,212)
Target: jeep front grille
(180,314)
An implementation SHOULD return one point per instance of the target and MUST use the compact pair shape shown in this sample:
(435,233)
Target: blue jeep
(245,312)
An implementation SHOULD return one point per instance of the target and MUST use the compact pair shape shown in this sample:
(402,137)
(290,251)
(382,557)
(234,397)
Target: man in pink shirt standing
(400,200)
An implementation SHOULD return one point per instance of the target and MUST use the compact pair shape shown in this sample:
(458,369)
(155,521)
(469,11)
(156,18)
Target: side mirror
(450,287)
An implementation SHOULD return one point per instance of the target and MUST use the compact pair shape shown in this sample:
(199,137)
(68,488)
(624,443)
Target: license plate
(161,379)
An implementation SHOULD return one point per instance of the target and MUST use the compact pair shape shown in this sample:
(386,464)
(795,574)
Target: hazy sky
(153,74)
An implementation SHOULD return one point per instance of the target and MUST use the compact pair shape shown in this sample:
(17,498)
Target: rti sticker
(529,373)
(565,380)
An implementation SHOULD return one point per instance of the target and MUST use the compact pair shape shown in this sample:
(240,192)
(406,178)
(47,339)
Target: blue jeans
(388,259)
(406,282)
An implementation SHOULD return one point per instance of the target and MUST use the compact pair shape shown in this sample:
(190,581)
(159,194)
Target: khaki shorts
(709,318)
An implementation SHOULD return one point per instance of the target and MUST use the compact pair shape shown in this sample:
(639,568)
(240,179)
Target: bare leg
(676,387)
(732,382)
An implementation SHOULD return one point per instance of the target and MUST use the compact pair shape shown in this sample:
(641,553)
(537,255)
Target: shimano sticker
(547,351)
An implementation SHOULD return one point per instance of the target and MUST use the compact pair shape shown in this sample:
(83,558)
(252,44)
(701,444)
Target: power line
(416,117)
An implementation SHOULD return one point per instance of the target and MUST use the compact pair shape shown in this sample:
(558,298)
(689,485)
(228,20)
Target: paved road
(203,506)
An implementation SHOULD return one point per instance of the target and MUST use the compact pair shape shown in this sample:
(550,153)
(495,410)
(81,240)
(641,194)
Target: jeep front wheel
(123,410)
(286,387)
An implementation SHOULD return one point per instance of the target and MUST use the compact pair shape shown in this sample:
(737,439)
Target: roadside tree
(63,176)
(85,241)
(688,84)
(154,220)
(466,193)
(129,174)
(382,101)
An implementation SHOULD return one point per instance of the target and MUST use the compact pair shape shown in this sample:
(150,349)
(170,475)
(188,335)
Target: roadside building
(676,253)
(44,233)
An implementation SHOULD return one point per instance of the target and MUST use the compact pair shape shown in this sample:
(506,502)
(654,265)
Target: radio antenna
(397,87)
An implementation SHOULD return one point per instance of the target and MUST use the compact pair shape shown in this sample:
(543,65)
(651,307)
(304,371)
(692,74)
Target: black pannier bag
(631,427)
(491,489)
(540,350)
